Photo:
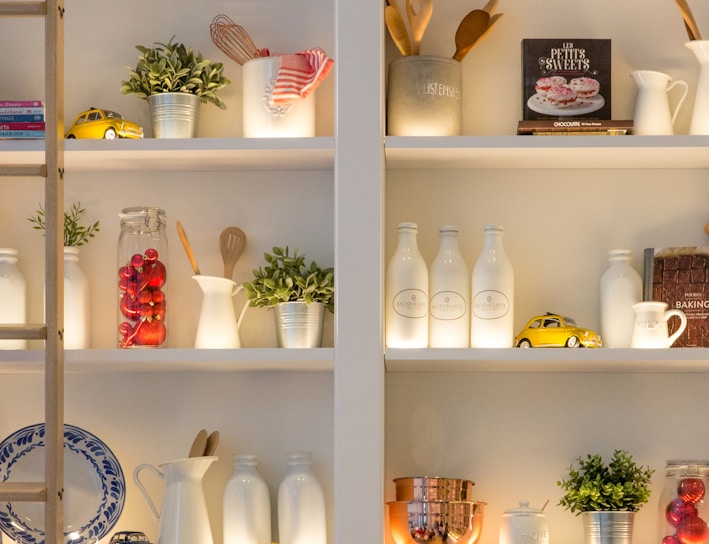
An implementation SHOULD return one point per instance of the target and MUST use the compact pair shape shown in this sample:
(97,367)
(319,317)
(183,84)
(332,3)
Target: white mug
(650,330)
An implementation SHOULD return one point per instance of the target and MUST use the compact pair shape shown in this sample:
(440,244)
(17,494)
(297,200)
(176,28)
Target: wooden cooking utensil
(493,21)
(188,248)
(491,6)
(689,22)
(199,444)
(473,25)
(397,30)
(212,443)
(232,242)
(418,21)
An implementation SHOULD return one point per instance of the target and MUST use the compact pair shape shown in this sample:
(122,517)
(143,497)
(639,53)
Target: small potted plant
(606,495)
(76,287)
(299,294)
(175,81)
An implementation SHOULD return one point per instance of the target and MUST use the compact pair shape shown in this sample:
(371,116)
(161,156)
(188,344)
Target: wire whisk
(233,39)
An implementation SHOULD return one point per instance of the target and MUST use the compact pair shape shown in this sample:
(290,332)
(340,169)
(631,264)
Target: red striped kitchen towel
(299,75)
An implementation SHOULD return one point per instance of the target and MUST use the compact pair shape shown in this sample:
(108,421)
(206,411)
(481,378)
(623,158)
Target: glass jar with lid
(142,278)
(684,511)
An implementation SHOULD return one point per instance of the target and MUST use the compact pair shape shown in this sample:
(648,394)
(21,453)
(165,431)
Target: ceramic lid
(524,510)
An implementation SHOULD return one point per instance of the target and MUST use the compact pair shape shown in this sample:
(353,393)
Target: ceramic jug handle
(243,309)
(683,84)
(682,325)
(144,491)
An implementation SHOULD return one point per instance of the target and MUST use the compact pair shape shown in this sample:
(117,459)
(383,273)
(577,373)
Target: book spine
(21,111)
(17,134)
(21,118)
(21,104)
(648,272)
(23,126)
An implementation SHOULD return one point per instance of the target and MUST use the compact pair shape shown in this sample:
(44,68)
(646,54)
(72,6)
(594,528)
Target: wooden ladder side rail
(54,255)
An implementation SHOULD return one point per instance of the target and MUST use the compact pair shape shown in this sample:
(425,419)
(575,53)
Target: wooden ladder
(51,490)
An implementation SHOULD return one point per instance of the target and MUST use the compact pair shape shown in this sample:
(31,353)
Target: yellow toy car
(97,123)
(554,330)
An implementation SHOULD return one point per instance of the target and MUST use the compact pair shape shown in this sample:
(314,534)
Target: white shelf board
(510,152)
(94,361)
(183,154)
(564,360)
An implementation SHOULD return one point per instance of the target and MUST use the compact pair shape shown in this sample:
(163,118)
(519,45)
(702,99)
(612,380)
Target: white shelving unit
(510,419)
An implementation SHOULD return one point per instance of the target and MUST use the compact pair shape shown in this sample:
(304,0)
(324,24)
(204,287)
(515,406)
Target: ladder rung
(23,492)
(23,332)
(23,170)
(23,8)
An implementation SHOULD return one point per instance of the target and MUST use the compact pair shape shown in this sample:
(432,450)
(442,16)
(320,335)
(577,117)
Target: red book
(21,104)
(37,125)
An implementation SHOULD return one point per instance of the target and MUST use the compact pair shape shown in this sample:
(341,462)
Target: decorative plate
(94,485)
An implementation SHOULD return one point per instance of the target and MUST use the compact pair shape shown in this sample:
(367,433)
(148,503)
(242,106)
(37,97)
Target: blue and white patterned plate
(94,485)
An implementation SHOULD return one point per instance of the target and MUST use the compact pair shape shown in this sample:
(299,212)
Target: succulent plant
(287,278)
(594,486)
(175,68)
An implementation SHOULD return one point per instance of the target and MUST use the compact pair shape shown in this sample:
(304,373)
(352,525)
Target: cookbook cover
(679,276)
(566,78)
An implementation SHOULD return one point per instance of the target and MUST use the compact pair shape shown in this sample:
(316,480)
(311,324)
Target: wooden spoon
(232,242)
(199,444)
(212,443)
(397,30)
(690,23)
(473,25)
(493,21)
(491,6)
(418,21)
(188,248)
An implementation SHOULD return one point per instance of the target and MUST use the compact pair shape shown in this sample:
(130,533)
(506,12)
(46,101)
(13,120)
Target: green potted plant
(299,293)
(606,495)
(77,329)
(175,80)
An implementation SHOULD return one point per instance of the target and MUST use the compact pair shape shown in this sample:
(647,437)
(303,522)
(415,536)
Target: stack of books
(22,119)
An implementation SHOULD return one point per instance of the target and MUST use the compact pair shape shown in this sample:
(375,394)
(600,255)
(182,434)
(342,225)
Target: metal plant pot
(608,527)
(174,115)
(299,325)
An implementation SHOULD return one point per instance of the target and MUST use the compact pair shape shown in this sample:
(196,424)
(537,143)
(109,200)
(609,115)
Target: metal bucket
(174,115)
(299,325)
(608,527)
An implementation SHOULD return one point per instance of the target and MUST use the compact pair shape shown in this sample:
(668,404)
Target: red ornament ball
(692,531)
(671,539)
(678,510)
(691,490)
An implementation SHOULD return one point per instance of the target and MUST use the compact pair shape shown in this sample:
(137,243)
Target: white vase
(247,506)
(301,504)
(77,322)
(621,287)
(492,298)
(13,309)
(700,114)
(449,319)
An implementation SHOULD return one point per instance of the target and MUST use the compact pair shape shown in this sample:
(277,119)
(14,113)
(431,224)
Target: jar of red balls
(142,279)
(684,511)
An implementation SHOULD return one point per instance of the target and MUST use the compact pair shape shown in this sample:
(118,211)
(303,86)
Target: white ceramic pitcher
(653,114)
(184,518)
(651,319)
(218,326)
(700,114)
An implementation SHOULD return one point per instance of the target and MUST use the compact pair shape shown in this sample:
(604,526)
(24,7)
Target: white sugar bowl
(524,525)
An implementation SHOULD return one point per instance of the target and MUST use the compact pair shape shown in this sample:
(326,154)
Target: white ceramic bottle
(621,287)
(492,299)
(77,322)
(247,505)
(13,294)
(407,293)
(449,287)
(301,504)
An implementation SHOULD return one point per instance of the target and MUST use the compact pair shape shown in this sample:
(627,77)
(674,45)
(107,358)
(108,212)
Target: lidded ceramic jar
(524,525)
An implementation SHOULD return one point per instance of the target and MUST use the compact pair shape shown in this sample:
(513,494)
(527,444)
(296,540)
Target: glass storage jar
(142,278)
(684,511)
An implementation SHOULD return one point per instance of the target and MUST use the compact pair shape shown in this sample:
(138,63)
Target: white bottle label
(411,303)
(490,305)
(447,305)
